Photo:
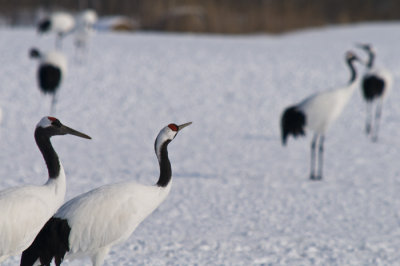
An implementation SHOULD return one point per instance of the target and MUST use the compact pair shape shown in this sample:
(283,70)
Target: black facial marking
(56,123)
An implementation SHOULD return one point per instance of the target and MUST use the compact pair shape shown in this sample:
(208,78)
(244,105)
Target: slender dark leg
(313,150)
(59,41)
(53,104)
(369,118)
(320,157)
(378,113)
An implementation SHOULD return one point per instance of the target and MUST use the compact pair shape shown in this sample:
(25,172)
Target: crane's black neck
(165,165)
(49,154)
(371,59)
(352,70)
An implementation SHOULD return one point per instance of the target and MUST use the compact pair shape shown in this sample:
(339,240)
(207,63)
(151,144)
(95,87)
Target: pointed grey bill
(184,125)
(68,130)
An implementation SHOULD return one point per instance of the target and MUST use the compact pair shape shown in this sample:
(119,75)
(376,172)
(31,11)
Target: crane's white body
(87,18)
(24,211)
(107,216)
(323,108)
(62,22)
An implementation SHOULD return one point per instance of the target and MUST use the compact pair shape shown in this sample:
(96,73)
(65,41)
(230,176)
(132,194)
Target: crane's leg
(378,113)
(81,49)
(59,41)
(99,257)
(53,104)
(313,150)
(320,157)
(369,118)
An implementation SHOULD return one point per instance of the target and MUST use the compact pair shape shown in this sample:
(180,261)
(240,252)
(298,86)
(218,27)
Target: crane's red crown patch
(173,127)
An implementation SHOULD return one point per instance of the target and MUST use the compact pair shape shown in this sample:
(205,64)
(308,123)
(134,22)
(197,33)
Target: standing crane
(51,71)
(317,113)
(61,23)
(376,84)
(24,210)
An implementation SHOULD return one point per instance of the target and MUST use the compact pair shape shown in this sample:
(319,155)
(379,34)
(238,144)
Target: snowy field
(238,196)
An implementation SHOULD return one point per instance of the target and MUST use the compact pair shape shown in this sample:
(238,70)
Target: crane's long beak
(68,130)
(184,125)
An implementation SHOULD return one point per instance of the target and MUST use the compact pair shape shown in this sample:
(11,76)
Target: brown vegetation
(222,16)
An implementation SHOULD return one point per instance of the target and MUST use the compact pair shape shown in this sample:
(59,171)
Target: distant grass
(220,16)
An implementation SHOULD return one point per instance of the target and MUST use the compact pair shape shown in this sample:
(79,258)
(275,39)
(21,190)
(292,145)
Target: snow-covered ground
(238,196)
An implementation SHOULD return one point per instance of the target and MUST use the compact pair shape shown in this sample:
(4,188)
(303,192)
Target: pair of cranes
(63,24)
(320,110)
(34,221)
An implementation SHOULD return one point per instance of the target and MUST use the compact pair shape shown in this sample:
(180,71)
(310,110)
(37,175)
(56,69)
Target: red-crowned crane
(90,224)
(51,71)
(376,83)
(317,113)
(61,23)
(24,210)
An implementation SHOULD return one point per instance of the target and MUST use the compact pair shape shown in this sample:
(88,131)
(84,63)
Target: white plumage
(95,221)
(24,210)
(107,216)
(55,58)
(317,113)
(323,108)
(376,84)
(87,18)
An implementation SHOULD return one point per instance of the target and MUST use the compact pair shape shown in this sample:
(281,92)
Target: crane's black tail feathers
(49,78)
(292,123)
(51,242)
(373,87)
